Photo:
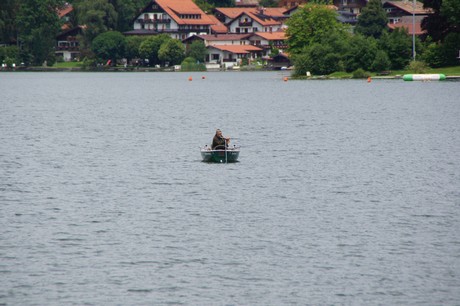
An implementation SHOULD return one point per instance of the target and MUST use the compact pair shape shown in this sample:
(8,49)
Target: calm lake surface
(346,193)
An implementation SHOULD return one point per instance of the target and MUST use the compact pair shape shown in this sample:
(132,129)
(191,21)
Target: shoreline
(171,69)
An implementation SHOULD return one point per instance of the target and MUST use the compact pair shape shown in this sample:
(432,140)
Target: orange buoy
(285,79)
(189,78)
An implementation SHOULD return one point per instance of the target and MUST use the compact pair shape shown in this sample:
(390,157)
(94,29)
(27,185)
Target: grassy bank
(448,71)
(67,65)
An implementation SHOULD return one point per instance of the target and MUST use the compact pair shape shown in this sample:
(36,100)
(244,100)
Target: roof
(66,9)
(223,37)
(175,8)
(260,19)
(238,49)
(217,27)
(278,35)
(233,12)
(275,11)
(409,27)
(407,6)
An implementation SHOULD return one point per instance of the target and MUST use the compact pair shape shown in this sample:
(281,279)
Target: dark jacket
(218,141)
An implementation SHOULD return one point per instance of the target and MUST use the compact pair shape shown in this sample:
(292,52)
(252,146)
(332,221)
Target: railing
(67,48)
(154,21)
(245,23)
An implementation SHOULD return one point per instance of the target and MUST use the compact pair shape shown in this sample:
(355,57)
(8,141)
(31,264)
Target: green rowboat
(230,155)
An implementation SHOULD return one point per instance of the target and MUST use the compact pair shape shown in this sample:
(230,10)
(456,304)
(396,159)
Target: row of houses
(232,34)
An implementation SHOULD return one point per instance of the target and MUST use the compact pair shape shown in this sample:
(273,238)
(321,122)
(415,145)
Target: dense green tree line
(318,43)
(154,50)
(32,25)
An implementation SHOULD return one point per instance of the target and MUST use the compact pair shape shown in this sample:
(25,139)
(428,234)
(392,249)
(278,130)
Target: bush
(417,67)
(191,64)
(381,62)
(360,74)
(88,64)
(9,62)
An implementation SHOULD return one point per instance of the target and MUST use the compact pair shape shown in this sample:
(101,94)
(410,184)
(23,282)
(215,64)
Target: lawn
(67,65)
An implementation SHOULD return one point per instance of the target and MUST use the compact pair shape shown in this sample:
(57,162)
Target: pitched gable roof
(408,7)
(237,49)
(217,27)
(278,35)
(66,9)
(262,20)
(409,27)
(177,8)
(233,12)
(224,37)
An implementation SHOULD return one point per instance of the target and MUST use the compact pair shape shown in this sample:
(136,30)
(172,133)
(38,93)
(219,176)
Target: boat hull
(220,156)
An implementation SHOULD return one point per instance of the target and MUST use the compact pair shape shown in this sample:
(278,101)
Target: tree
(98,16)
(381,62)
(450,9)
(197,50)
(9,52)
(445,53)
(172,51)
(361,53)
(8,26)
(38,25)
(269,3)
(109,46)
(126,10)
(323,58)
(311,24)
(398,46)
(373,20)
(132,47)
(150,47)
(445,18)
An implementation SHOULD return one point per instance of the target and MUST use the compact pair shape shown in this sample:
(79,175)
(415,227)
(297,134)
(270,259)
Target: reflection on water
(346,192)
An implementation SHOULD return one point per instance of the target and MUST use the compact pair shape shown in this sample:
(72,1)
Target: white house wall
(259,28)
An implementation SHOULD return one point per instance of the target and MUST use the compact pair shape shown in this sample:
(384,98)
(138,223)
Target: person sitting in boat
(219,142)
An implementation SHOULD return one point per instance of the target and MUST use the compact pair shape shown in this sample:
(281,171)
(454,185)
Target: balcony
(67,48)
(245,23)
(154,21)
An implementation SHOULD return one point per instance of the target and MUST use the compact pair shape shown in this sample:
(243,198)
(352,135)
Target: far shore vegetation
(318,44)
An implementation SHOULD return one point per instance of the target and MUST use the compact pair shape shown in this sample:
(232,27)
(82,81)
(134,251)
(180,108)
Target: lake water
(346,193)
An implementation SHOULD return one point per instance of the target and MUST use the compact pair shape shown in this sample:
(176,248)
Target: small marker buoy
(190,78)
(285,79)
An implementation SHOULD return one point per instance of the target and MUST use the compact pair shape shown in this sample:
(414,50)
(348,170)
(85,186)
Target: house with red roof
(397,9)
(269,40)
(67,46)
(252,19)
(177,18)
(403,14)
(229,56)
